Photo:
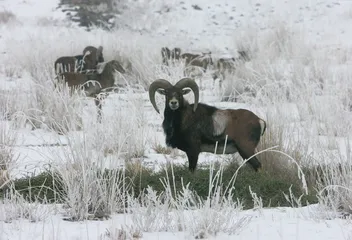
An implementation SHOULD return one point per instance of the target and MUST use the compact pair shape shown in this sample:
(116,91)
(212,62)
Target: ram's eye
(186,91)
(161,91)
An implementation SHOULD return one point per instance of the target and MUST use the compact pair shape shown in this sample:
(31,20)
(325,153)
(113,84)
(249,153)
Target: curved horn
(159,83)
(191,83)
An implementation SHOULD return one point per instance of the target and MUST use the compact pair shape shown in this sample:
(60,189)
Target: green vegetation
(267,185)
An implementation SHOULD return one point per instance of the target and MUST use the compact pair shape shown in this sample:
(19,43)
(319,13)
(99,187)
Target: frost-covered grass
(298,80)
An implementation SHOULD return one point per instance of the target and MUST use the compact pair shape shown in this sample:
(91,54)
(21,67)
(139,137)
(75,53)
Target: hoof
(259,170)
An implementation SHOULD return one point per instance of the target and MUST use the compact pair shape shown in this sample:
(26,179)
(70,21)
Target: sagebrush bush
(44,187)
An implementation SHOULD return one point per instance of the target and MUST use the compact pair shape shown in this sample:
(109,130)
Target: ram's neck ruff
(172,127)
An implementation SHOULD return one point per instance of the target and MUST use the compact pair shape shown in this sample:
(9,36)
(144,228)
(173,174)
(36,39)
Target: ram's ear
(161,91)
(186,91)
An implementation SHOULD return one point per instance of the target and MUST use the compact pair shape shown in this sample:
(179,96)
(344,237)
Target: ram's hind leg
(246,138)
(247,151)
(246,147)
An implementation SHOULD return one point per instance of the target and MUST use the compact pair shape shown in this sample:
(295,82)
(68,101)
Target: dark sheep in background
(195,128)
(223,66)
(228,66)
(203,61)
(170,55)
(87,61)
(104,81)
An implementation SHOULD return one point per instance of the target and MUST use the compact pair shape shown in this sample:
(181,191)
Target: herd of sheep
(192,128)
(90,72)
(224,65)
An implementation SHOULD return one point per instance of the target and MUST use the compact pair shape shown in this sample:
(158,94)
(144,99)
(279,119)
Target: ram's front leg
(192,151)
(192,156)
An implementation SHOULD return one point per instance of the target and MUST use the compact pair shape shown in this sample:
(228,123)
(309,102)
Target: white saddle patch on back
(220,120)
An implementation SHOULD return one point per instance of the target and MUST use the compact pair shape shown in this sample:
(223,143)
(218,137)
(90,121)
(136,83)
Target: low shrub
(269,187)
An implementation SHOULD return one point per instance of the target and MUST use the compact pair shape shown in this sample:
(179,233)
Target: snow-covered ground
(300,71)
(281,223)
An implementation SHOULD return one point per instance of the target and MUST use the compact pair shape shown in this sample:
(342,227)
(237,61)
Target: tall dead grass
(8,158)
(334,185)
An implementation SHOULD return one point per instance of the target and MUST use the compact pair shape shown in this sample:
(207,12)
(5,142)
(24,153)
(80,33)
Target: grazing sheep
(224,66)
(195,128)
(170,55)
(88,61)
(105,79)
(227,65)
(202,61)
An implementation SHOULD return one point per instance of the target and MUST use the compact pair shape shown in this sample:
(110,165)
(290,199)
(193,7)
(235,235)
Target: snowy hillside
(298,79)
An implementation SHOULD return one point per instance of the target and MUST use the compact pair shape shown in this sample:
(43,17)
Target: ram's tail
(262,126)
